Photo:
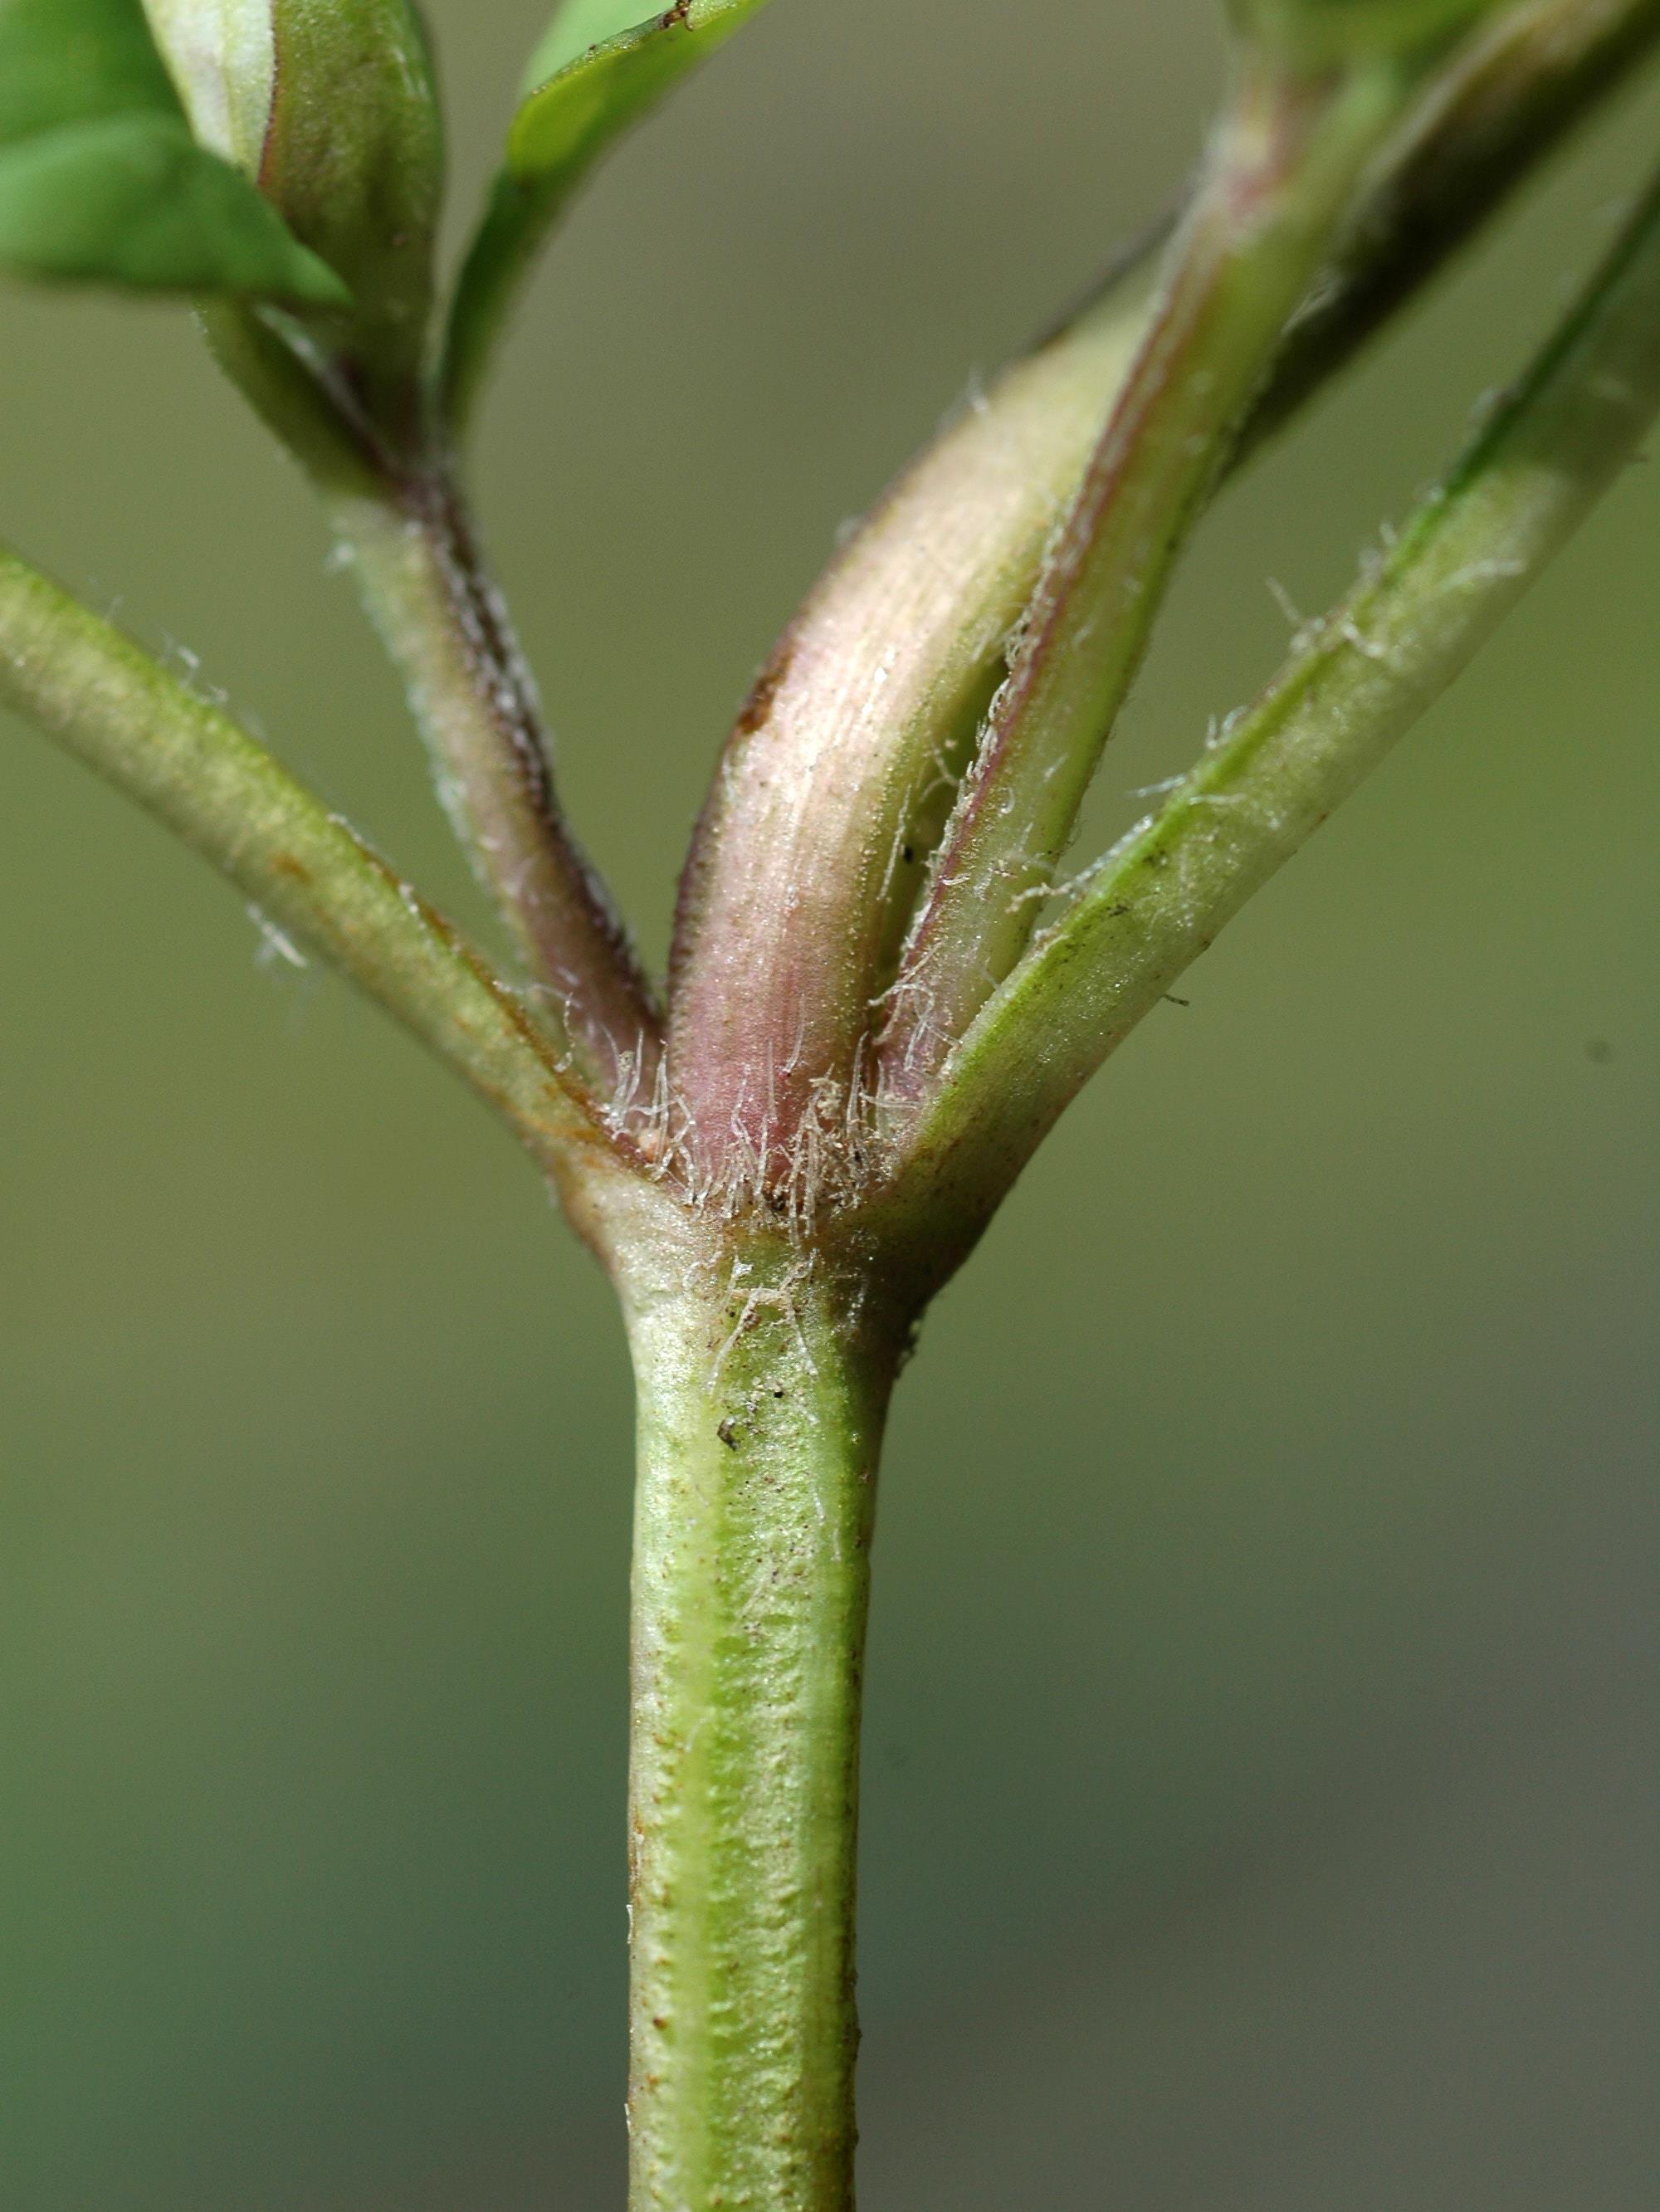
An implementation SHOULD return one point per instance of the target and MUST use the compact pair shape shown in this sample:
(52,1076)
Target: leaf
(67,61)
(134,200)
(575,113)
(598,69)
(577,27)
(101,181)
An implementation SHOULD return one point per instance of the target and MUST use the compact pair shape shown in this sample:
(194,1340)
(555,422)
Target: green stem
(401,519)
(306,872)
(416,560)
(1354,683)
(1288,159)
(761,1400)
(519,215)
(1485,126)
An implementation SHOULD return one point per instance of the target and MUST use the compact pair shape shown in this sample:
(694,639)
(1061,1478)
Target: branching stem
(1355,682)
(1284,169)
(402,520)
(777,1222)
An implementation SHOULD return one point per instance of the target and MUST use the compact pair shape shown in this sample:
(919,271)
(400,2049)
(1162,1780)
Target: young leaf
(598,69)
(101,180)
(67,61)
(578,26)
(582,96)
(133,200)
(329,108)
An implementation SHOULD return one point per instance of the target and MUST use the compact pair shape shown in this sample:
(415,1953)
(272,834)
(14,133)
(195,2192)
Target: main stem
(761,1400)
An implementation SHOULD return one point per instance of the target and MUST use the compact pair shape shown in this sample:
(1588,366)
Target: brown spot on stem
(757,708)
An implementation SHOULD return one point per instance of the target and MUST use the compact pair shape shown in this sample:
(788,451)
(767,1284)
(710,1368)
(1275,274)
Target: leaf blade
(69,61)
(134,201)
(575,113)
(584,91)
(577,27)
(101,180)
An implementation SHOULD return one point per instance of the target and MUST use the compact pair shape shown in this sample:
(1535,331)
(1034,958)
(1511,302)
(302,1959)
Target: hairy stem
(835,785)
(306,873)
(833,790)
(1355,682)
(837,782)
(1286,160)
(762,1403)
(402,520)
(417,563)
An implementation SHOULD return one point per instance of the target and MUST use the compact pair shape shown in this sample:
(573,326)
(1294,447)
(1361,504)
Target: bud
(330,108)
(1318,34)
(355,157)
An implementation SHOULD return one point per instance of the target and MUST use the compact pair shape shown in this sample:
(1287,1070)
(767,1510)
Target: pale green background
(1262,1811)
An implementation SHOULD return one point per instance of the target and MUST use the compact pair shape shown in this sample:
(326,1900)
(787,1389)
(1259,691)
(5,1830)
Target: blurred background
(1262,1807)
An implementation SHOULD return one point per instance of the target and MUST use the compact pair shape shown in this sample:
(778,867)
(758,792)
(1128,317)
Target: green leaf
(577,27)
(598,69)
(132,199)
(66,61)
(101,181)
(576,113)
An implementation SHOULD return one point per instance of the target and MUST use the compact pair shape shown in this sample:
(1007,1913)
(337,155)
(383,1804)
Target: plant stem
(416,559)
(761,1400)
(401,520)
(1355,682)
(1284,166)
(836,783)
(307,872)
(1485,127)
